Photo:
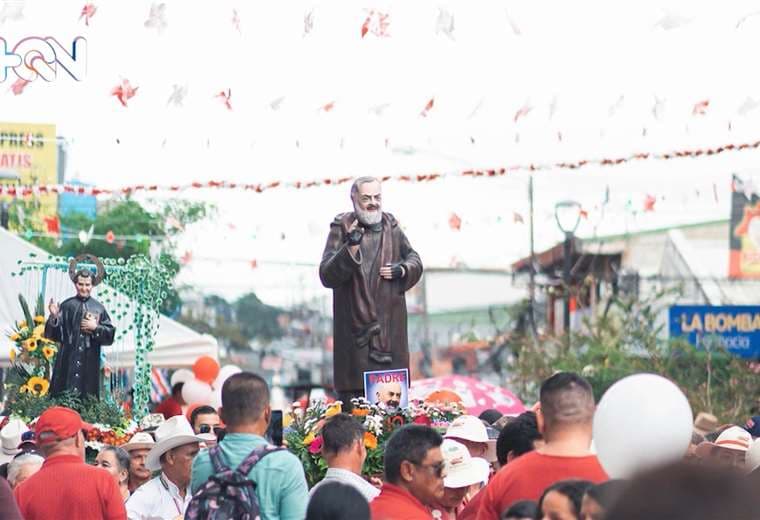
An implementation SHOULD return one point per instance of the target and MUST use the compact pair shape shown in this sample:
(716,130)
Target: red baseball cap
(58,423)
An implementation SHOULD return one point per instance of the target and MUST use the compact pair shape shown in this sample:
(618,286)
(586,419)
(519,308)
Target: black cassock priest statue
(81,325)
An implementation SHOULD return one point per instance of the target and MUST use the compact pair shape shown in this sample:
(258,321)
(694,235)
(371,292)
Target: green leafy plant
(628,338)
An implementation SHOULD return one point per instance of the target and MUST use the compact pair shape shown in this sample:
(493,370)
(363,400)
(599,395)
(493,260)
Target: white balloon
(216,398)
(225,372)
(643,421)
(197,392)
(182,375)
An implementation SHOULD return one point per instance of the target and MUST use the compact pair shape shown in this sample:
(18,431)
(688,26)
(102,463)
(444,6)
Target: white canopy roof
(176,345)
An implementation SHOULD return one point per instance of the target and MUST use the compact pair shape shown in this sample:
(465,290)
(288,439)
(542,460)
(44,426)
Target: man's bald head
(567,401)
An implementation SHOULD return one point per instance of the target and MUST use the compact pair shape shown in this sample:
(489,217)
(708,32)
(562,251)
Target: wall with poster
(29,155)
(734,327)
(744,229)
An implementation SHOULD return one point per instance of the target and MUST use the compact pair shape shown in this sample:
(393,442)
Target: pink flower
(316,445)
(422,419)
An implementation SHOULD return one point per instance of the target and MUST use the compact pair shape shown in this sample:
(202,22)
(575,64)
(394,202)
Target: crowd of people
(220,464)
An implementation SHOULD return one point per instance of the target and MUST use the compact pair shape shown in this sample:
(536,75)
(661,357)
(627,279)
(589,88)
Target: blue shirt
(280,482)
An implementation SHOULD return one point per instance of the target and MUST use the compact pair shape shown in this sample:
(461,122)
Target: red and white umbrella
(477,396)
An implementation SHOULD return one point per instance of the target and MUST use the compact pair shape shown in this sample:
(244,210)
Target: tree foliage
(629,339)
(155,222)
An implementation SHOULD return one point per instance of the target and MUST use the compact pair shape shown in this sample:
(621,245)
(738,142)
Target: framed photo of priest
(387,388)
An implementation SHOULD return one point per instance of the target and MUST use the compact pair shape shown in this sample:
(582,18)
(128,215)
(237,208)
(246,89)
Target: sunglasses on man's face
(438,468)
(207,428)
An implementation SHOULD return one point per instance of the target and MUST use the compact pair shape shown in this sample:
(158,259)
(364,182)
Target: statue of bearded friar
(369,264)
(81,325)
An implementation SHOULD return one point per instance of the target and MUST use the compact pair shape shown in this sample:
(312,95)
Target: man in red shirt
(565,420)
(414,471)
(172,405)
(65,486)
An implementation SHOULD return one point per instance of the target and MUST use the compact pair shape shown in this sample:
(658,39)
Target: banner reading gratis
(28,156)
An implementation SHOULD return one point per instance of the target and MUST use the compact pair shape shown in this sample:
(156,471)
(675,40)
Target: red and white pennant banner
(36,190)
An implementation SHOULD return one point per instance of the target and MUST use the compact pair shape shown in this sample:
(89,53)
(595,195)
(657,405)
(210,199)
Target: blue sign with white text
(735,327)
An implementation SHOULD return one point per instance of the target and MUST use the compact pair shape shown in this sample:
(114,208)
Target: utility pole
(532,270)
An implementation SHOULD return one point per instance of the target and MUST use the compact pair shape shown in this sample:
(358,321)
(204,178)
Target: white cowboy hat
(140,441)
(10,438)
(175,432)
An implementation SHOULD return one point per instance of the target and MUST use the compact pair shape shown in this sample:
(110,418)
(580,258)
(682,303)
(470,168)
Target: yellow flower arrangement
(38,386)
(49,351)
(30,345)
(39,319)
(38,331)
(333,409)
(15,336)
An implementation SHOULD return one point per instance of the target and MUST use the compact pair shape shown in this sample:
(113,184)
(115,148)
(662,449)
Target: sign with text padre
(734,327)
(388,388)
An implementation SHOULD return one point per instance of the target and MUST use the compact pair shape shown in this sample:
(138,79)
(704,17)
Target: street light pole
(566,267)
(567,214)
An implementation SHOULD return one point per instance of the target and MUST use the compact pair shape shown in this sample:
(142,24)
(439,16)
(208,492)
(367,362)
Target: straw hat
(175,432)
(140,441)
(705,423)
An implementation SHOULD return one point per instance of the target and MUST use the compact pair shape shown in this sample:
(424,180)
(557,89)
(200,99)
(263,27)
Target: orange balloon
(206,369)
(442,397)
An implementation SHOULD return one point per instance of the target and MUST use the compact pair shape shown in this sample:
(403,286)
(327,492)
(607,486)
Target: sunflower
(49,351)
(38,385)
(38,331)
(39,319)
(21,325)
(370,441)
(30,345)
(15,336)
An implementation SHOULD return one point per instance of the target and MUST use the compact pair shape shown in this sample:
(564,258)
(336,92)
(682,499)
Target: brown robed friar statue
(369,264)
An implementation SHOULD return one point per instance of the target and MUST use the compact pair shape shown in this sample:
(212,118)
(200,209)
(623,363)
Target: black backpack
(228,494)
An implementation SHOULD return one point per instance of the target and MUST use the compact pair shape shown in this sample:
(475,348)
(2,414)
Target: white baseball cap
(753,456)
(461,468)
(468,428)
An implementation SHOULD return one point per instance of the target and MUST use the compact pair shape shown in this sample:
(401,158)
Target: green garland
(145,285)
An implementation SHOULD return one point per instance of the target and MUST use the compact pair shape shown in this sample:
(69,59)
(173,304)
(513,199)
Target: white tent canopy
(176,345)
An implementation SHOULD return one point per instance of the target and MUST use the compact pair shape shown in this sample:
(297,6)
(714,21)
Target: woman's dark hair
(121,455)
(607,493)
(337,501)
(490,416)
(517,436)
(572,489)
(521,509)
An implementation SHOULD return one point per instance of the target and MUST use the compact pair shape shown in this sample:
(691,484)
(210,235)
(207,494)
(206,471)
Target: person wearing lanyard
(166,496)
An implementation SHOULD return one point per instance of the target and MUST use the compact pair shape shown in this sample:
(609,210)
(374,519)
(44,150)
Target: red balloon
(206,369)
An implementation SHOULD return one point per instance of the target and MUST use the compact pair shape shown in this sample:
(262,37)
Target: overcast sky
(591,71)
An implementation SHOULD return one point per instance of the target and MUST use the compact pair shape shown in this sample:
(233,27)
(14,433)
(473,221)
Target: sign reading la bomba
(736,327)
